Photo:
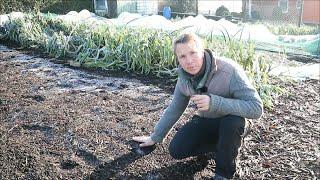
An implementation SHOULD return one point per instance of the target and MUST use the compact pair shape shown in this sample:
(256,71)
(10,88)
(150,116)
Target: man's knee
(233,125)
(233,122)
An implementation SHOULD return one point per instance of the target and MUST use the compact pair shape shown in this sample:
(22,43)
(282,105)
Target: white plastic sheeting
(301,72)
(198,24)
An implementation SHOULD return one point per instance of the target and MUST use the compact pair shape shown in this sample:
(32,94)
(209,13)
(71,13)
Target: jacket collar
(214,67)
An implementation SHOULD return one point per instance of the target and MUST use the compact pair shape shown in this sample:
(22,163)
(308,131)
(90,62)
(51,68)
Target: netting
(283,21)
(293,37)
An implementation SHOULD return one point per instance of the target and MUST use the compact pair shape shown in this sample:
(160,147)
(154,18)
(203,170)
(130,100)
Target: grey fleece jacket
(230,91)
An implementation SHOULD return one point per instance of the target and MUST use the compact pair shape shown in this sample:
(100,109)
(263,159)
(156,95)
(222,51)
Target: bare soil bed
(58,122)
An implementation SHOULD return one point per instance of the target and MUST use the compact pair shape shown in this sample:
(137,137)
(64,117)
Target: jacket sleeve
(245,101)
(170,115)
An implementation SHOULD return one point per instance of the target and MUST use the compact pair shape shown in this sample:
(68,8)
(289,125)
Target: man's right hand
(144,140)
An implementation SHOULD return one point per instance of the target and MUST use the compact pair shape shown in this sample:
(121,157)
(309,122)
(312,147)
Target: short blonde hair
(185,38)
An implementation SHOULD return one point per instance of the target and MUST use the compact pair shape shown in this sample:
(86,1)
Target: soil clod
(68,164)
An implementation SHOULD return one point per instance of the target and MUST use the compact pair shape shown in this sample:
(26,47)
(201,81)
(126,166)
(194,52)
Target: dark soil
(58,122)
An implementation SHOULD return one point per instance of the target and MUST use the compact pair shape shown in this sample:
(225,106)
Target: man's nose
(189,60)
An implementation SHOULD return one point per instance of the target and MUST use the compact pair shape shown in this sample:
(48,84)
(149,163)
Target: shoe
(218,177)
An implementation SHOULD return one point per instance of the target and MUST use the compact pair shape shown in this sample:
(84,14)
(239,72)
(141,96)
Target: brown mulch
(62,123)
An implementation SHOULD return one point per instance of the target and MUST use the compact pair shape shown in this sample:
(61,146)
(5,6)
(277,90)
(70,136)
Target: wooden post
(249,10)
(94,6)
(300,13)
(197,10)
(244,10)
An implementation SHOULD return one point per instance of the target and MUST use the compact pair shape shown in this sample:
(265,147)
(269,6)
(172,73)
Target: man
(224,97)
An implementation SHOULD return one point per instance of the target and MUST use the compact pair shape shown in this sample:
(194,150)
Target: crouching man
(224,97)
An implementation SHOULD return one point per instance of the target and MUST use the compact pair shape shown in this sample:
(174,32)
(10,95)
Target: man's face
(190,57)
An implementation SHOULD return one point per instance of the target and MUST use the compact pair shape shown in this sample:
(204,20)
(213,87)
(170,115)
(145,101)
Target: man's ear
(202,53)
(176,59)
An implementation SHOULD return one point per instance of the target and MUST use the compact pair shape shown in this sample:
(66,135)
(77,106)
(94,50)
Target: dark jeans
(220,135)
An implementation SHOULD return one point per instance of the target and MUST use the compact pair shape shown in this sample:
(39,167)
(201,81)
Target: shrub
(222,11)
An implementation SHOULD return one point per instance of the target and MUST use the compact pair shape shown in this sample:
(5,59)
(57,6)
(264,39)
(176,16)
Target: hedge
(52,6)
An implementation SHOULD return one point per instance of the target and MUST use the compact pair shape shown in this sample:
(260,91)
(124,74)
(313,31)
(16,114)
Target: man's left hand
(202,102)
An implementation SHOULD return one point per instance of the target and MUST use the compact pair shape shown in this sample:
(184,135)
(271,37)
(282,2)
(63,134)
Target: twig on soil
(15,126)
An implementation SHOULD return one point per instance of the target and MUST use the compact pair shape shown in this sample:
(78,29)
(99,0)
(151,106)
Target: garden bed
(67,123)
